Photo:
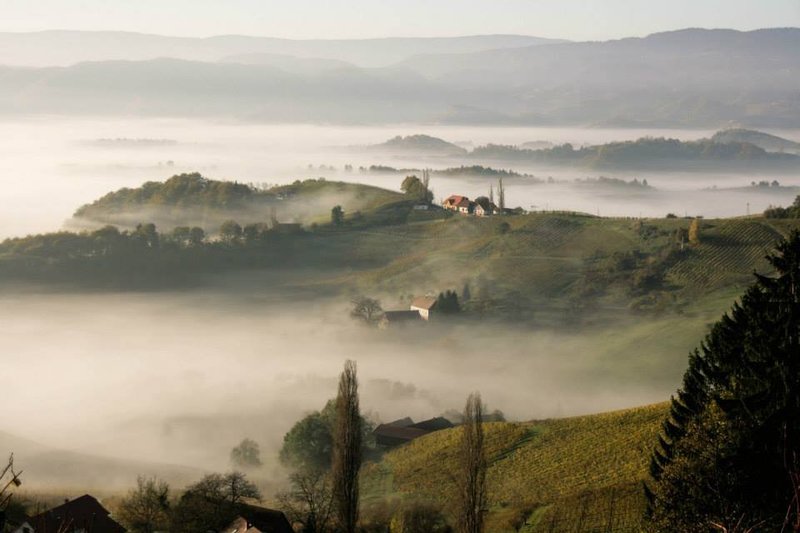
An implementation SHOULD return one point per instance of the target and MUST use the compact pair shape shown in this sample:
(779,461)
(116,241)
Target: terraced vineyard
(553,473)
(728,254)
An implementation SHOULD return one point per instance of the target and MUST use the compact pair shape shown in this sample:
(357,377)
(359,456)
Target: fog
(50,165)
(181,378)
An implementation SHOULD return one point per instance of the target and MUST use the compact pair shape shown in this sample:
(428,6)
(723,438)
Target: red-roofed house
(458,203)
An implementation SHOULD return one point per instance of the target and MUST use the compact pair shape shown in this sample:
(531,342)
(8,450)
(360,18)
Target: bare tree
(310,500)
(471,501)
(426,179)
(9,480)
(367,309)
(347,449)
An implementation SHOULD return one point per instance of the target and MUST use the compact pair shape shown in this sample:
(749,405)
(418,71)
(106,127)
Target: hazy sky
(570,19)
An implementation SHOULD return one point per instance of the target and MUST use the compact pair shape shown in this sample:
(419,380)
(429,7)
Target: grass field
(573,474)
(557,261)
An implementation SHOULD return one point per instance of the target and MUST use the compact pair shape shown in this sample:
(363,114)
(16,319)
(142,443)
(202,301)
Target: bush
(419,518)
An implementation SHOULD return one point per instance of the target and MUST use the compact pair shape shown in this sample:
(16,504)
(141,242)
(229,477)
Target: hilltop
(771,143)
(582,473)
(193,200)
(419,144)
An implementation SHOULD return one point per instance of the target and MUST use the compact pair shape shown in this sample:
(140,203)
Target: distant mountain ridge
(688,78)
(64,48)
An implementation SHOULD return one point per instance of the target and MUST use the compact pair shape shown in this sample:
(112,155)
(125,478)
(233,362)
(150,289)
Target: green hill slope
(192,200)
(573,474)
(569,261)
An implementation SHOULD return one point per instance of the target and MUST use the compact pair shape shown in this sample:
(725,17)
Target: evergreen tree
(447,303)
(337,215)
(731,445)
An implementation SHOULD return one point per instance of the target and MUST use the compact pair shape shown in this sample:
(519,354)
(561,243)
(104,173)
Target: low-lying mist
(183,377)
(50,166)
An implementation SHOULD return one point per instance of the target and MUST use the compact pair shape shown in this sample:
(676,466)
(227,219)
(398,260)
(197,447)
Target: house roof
(84,513)
(401,433)
(401,422)
(424,302)
(254,519)
(464,202)
(433,424)
(455,199)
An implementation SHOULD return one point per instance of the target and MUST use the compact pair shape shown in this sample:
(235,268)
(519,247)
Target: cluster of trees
(447,303)
(615,182)
(729,455)
(418,189)
(762,184)
(183,190)
(793,211)
(208,505)
(139,256)
(639,151)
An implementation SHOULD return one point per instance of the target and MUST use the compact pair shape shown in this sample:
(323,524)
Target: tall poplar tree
(471,497)
(347,449)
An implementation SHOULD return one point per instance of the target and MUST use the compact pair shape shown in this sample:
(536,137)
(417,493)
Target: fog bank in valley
(182,378)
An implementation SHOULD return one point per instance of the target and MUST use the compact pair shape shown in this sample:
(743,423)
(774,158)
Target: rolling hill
(419,145)
(47,468)
(192,200)
(766,141)
(649,153)
(573,474)
(560,265)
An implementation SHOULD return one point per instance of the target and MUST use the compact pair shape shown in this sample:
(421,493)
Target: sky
(303,19)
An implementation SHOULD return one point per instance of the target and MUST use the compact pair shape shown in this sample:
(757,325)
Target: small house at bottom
(483,207)
(253,519)
(393,319)
(81,515)
(424,305)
